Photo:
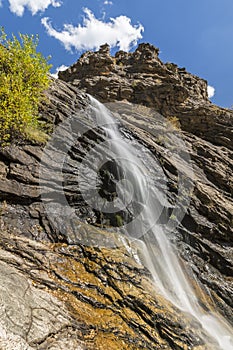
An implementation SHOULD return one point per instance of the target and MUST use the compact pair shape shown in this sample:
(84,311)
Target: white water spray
(158,253)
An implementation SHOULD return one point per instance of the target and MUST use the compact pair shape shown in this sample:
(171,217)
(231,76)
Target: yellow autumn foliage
(23,78)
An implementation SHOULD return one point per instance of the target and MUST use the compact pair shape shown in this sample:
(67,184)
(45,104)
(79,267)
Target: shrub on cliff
(23,78)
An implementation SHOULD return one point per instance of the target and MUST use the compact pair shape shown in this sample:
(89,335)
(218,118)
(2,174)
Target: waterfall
(137,192)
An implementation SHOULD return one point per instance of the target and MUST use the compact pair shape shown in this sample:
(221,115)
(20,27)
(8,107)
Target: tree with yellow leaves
(23,78)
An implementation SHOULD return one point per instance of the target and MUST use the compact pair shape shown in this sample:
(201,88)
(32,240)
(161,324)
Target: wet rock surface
(57,293)
(201,237)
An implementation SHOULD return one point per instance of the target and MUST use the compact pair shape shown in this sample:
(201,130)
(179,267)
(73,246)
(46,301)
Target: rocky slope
(58,293)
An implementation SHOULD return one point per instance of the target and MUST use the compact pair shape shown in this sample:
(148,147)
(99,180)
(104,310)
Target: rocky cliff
(58,293)
(140,77)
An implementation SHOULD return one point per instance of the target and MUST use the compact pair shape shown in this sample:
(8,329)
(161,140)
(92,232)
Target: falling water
(158,253)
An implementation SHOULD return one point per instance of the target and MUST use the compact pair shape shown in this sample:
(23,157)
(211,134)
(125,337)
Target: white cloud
(59,69)
(211,91)
(18,6)
(117,32)
(107,2)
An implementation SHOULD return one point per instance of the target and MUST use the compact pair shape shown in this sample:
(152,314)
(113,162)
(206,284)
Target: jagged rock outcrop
(58,294)
(142,78)
(139,77)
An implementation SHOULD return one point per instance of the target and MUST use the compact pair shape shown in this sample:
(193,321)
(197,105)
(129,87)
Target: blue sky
(196,34)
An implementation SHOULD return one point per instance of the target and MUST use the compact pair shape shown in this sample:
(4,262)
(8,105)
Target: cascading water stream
(157,252)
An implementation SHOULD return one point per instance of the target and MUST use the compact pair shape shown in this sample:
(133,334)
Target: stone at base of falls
(55,296)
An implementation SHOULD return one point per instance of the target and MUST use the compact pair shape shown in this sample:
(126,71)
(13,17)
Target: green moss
(35,135)
(119,220)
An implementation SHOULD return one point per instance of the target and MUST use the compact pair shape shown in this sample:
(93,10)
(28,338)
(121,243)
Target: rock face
(57,293)
(140,77)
